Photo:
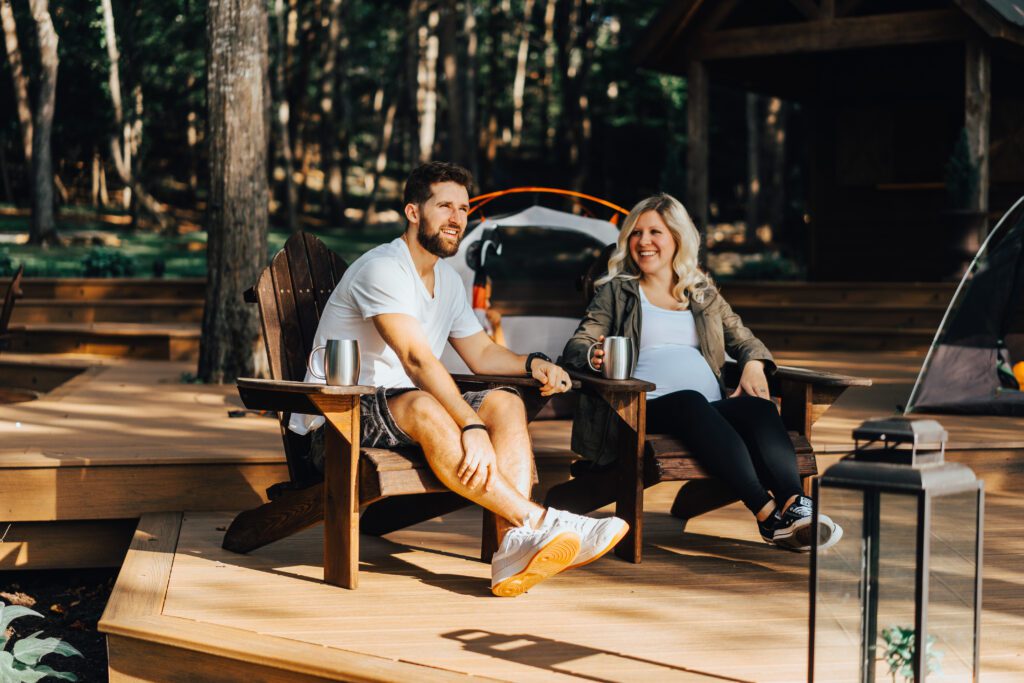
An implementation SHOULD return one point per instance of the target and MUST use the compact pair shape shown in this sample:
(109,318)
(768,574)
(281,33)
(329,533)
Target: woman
(656,294)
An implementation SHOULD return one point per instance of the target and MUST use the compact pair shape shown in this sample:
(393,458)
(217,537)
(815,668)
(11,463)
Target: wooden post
(977,112)
(697,144)
(341,496)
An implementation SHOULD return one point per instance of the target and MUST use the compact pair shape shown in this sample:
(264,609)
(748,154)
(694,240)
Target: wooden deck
(711,604)
(126,440)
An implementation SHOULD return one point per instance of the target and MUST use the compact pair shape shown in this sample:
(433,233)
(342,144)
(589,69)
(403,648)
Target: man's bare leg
(420,416)
(505,416)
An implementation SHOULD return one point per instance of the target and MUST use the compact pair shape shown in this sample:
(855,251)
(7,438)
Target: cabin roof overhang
(690,30)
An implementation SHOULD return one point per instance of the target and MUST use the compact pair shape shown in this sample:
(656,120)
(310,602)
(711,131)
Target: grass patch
(150,254)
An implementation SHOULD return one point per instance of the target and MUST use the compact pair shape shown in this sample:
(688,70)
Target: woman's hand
(753,381)
(478,460)
(597,358)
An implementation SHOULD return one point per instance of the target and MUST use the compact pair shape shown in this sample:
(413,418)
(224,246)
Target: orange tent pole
(480,200)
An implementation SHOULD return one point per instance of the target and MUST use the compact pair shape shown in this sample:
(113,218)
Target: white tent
(524,334)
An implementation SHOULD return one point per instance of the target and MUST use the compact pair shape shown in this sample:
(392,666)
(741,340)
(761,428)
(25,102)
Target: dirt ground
(71,602)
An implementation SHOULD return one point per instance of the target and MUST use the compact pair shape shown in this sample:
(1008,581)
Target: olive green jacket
(615,311)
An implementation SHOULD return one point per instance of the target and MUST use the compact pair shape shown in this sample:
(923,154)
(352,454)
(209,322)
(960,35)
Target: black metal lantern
(898,597)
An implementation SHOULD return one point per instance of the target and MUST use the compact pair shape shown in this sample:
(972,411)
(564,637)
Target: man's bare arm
(404,334)
(484,357)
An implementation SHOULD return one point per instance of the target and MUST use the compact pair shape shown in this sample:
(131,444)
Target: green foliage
(899,653)
(962,175)
(6,264)
(21,663)
(102,262)
(771,267)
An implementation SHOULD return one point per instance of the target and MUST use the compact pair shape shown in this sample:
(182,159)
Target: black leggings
(741,441)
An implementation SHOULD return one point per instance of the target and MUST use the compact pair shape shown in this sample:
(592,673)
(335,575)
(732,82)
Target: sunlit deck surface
(712,603)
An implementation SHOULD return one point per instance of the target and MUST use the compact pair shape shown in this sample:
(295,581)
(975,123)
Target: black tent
(981,337)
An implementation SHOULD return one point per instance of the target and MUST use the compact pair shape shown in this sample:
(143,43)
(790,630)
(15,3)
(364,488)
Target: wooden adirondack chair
(291,294)
(13,293)
(648,459)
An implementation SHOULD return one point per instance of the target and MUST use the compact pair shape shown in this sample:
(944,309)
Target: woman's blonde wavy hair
(690,280)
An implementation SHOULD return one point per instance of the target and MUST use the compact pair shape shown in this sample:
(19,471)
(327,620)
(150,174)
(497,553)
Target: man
(403,303)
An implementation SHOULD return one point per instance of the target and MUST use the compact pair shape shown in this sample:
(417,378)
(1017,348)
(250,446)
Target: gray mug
(341,362)
(618,357)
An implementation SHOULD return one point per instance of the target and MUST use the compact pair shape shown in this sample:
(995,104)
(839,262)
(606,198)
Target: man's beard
(435,243)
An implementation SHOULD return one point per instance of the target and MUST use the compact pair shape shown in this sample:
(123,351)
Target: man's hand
(478,460)
(753,381)
(554,379)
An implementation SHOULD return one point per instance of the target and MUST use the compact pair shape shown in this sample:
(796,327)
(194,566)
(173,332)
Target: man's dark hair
(417,186)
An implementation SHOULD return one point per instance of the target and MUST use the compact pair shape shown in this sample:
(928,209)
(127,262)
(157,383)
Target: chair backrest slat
(291,293)
(308,313)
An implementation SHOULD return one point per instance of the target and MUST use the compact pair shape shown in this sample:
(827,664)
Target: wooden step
(867,293)
(91,289)
(108,311)
(790,337)
(843,315)
(126,340)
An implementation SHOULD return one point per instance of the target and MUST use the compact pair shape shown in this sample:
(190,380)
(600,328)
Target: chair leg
(341,500)
(488,536)
(629,505)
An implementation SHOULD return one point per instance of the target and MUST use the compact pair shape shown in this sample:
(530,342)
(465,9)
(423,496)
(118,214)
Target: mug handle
(590,355)
(309,363)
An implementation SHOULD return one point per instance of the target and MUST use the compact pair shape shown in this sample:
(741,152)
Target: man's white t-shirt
(384,280)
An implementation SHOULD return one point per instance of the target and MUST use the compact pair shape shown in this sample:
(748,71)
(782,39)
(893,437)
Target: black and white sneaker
(768,526)
(795,532)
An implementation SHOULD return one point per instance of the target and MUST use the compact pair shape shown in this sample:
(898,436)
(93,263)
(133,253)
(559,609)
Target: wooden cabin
(885,89)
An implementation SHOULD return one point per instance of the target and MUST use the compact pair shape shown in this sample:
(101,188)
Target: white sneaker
(597,535)
(528,556)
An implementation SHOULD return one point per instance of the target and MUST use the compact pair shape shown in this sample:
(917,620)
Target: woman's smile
(651,243)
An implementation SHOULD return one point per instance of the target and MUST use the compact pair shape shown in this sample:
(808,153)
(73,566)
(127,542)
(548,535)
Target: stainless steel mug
(618,357)
(341,362)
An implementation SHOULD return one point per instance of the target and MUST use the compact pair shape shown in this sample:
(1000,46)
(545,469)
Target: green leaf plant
(20,663)
(899,653)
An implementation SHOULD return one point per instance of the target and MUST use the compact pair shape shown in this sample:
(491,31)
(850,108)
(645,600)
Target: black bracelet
(474,426)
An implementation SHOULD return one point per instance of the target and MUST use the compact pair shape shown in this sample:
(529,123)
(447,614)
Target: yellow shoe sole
(548,561)
(615,541)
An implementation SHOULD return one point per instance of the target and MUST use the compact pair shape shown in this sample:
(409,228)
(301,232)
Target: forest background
(538,92)
(186,138)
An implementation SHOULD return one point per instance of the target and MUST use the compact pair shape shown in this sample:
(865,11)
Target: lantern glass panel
(951,587)
(897,560)
(837,628)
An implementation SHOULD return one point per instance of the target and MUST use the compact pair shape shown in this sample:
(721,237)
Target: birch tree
(237,217)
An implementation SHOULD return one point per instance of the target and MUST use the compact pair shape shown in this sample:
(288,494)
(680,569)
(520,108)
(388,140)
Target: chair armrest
(819,378)
(601,385)
(295,397)
(510,380)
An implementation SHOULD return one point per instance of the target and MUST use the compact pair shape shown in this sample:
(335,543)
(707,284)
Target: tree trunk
(450,64)
(282,116)
(381,162)
(131,132)
(43,225)
(19,78)
(753,163)
(330,146)
(519,83)
(426,96)
(237,216)
(412,63)
(472,46)
(547,79)
(4,175)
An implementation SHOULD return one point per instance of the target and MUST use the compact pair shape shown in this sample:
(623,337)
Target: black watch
(532,357)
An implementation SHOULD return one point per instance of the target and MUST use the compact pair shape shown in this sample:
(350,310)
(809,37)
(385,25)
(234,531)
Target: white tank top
(670,353)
